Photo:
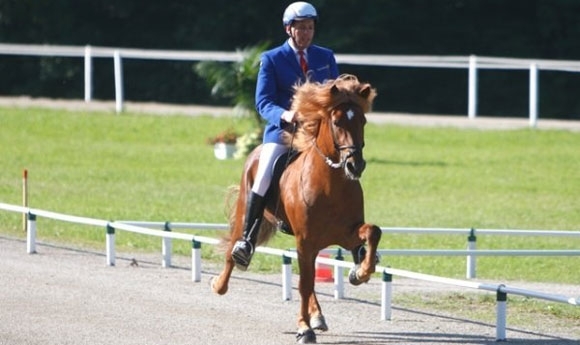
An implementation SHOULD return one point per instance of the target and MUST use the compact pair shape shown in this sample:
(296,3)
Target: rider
(291,63)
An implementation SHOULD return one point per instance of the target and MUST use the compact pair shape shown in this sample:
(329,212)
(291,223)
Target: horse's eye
(350,114)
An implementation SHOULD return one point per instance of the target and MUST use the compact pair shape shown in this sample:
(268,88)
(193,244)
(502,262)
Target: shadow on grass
(373,160)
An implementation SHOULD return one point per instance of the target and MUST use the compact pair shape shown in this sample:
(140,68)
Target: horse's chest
(313,187)
(332,196)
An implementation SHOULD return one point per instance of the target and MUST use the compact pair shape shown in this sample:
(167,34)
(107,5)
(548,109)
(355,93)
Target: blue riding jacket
(279,72)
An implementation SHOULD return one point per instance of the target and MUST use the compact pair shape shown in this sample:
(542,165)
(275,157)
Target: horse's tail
(230,210)
(267,231)
(267,228)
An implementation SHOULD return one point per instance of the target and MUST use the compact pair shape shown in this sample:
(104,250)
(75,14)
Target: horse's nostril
(355,170)
(350,166)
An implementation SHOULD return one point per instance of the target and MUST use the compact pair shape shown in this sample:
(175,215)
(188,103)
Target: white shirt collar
(291,43)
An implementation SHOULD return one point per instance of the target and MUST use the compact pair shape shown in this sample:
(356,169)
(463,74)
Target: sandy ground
(69,296)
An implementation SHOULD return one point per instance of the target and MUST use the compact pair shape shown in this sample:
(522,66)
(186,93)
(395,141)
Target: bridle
(344,158)
(352,149)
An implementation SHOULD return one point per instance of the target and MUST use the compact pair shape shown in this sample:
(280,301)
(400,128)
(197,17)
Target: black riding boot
(244,248)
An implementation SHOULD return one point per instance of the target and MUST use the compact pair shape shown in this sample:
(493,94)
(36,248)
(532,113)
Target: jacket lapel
(291,57)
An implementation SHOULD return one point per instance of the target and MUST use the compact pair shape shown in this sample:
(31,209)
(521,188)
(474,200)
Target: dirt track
(68,296)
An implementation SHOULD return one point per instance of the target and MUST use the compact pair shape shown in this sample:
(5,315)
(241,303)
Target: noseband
(340,164)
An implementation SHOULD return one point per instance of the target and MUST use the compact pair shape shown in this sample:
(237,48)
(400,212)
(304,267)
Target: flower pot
(224,151)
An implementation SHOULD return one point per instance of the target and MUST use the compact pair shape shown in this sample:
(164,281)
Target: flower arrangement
(247,142)
(229,136)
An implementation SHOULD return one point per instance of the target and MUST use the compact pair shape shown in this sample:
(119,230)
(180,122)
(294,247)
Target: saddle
(280,165)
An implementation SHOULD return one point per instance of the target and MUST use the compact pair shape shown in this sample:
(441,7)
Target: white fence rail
(471,63)
(471,253)
(386,288)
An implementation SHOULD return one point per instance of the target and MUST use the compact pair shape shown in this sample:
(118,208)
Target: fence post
(195,261)
(471,259)
(386,296)
(31,234)
(533,95)
(501,299)
(166,247)
(286,278)
(472,88)
(110,245)
(339,277)
(88,74)
(118,81)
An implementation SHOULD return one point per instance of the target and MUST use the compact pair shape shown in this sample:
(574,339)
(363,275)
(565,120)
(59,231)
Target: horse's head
(332,119)
(347,121)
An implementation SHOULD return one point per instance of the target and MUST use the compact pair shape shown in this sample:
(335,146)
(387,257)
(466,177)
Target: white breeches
(270,151)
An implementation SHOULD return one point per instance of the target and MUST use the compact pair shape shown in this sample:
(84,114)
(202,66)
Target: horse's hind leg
(362,271)
(219,284)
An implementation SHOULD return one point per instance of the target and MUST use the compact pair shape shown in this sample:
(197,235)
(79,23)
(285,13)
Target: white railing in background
(501,290)
(471,63)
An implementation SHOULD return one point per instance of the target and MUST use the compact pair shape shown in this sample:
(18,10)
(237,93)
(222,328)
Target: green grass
(159,168)
(530,313)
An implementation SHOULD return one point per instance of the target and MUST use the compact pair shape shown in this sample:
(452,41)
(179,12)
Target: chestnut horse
(318,197)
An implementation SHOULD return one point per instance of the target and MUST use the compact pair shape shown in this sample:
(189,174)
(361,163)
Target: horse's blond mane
(314,102)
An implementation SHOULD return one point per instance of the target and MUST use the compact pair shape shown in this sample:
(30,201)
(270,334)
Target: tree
(235,81)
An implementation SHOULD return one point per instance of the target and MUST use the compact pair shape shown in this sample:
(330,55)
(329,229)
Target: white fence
(471,253)
(471,63)
(501,290)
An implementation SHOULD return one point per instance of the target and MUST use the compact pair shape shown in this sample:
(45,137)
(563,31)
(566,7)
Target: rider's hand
(288,116)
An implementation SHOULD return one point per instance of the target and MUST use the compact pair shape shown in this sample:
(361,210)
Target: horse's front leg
(362,271)
(317,320)
(308,301)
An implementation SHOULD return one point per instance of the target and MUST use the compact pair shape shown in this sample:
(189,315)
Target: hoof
(319,323)
(353,277)
(221,291)
(306,337)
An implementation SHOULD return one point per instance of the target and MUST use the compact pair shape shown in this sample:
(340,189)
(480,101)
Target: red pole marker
(24,198)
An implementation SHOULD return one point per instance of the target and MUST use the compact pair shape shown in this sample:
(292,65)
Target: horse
(318,197)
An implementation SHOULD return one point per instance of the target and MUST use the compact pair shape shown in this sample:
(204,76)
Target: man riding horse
(281,68)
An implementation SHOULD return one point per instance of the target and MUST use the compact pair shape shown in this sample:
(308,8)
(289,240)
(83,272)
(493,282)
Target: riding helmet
(297,11)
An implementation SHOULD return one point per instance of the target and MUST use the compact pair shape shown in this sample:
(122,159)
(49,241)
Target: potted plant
(224,144)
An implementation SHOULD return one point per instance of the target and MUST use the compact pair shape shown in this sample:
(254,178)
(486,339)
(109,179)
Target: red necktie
(303,63)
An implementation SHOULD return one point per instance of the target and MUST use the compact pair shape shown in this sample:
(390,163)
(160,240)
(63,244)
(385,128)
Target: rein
(280,223)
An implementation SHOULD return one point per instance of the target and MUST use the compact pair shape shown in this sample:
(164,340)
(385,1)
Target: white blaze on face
(350,114)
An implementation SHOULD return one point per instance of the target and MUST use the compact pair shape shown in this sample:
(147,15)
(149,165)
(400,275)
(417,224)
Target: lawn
(160,168)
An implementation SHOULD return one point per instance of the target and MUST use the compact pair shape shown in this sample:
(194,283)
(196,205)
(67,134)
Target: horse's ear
(334,90)
(365,92)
